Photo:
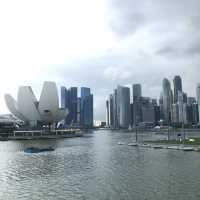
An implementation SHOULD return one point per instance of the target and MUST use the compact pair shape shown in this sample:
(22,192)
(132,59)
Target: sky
(98,44)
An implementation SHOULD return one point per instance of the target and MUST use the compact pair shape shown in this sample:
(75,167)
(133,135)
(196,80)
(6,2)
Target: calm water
(96,167)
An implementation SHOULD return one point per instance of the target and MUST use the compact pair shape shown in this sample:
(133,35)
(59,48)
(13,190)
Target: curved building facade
(30,110)
(167,100)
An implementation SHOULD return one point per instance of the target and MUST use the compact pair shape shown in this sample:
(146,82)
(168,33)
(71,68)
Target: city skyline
(103,44)
(174,107)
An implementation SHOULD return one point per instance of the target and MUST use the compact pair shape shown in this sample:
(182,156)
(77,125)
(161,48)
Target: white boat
(173,147)
(188,149)
(121,143)
(133,144)
(146,145)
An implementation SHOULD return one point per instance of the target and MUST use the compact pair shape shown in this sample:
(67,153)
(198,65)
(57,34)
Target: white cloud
(99,44)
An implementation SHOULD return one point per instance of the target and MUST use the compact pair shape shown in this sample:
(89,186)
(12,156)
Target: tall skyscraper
(86,108)
(198,98)
(177,87)
(123,106)
(63,97)
(107,114)
(148,110)
(115,110)
(69,100)
(137,108)
(167,100)
(182,108)
(111,111)
(88,111)
(175,113)
(137,91)
(79,111)
(73,96)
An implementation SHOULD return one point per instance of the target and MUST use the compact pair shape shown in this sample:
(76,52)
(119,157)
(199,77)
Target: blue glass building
(86,108)
(69,100)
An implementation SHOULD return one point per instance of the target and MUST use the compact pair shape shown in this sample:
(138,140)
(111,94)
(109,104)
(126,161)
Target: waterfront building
(86,108)
(137,107)
(182,107)
(157,114)
(115,110)
(148,112)
(137,91)
(107,114)
(131,115)
(184,97)
(167,100)
(72,117)
(177,87)
(123,106)
(161,106)
(36,113)
(175,113)
(88,111)
(111,111)
(69,101)
(78,111)
(63,98)
(195,112)
(198,98)
(191,100)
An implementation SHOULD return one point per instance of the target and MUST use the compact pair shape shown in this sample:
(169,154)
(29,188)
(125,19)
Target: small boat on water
(173,147)
(133,144)
(37,150)
(146,145)
(121,143)
(158,147)
(188,149)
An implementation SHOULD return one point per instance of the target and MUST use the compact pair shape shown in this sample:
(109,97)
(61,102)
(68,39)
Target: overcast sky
(98,44)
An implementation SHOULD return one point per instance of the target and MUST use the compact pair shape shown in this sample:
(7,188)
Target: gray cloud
(155,39)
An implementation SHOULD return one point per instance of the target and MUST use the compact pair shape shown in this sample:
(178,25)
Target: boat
(188,149)
(173,147)
(133,144)
(121,143)
(37,150)
(157,147)
(146,145)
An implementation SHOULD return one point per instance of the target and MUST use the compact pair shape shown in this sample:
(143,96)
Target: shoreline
(40,134)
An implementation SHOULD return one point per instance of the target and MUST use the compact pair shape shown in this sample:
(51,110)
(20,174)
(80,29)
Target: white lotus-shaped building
(29,109)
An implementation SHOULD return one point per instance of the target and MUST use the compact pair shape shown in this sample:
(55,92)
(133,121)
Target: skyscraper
(69,100)
(63,97)
(198,98)
(137,108)
(175,113)
(107,114)
(88,111)
(167,100)
(177,87)
(115,110)
(137,91)
(86,108)
(111,111)
(123,106)
(73,96)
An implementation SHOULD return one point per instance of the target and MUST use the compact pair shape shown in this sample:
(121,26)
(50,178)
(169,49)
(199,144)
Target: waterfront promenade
(40,134)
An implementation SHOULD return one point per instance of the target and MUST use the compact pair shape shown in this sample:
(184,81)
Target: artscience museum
(27,108)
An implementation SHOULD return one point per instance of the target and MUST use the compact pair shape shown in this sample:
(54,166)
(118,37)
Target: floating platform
(37,150)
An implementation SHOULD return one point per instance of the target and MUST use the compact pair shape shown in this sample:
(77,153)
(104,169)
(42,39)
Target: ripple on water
(96,167)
